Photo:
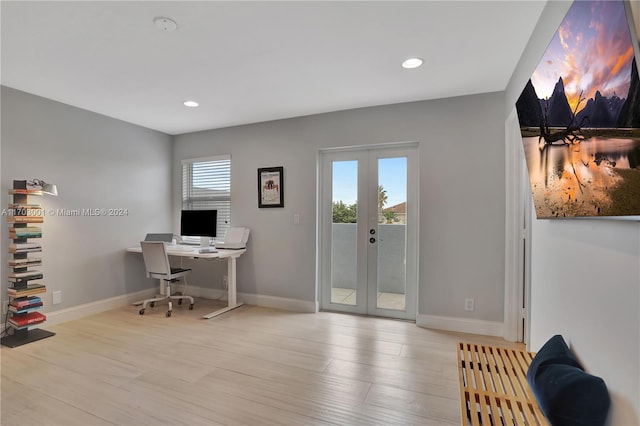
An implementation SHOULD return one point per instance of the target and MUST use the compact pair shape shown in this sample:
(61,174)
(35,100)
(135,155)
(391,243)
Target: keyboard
(207,250)
(180,247)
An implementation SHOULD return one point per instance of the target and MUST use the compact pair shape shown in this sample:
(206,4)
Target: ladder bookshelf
(25,282)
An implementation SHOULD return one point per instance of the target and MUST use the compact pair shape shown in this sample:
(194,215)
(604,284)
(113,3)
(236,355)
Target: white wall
(461,196)
(97,163)
(585,281)
(586,286)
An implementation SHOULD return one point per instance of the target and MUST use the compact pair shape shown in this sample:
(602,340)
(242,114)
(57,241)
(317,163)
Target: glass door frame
(326,223)
(366,252)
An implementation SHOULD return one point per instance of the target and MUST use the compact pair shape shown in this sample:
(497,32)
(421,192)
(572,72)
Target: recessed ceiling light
(191,104)
(165,24)
(412,63)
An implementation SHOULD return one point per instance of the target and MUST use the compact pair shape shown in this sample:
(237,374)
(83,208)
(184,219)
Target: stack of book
(26,232)
(20,206)
(23,305)
(28,290)
(22,276)
(26,320)
(25,219)
(25,262)
(24,247)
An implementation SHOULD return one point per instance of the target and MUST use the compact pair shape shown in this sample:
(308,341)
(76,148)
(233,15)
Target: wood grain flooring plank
(251,366)
(431,407)
(24,406)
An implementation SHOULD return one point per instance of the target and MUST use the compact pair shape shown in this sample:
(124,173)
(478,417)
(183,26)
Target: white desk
(192,252)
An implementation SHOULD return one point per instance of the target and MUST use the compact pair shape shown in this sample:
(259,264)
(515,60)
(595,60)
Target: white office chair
(156,262)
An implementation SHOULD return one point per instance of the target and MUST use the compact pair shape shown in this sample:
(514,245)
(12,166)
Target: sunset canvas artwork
(579,117)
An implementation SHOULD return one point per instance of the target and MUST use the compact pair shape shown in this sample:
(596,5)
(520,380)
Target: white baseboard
(295,305)
(92,308)
(283,303)
(462,325)
(75,312)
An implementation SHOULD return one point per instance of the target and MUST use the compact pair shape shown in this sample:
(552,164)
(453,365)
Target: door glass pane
(392,233)
(344,232)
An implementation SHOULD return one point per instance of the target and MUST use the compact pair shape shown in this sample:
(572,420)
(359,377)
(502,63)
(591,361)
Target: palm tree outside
(382,197)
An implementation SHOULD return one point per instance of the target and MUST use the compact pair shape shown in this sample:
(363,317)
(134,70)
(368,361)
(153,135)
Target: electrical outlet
(56,297)
(468,304)
(225,282)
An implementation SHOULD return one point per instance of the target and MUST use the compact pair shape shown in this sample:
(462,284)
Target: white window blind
(206,184)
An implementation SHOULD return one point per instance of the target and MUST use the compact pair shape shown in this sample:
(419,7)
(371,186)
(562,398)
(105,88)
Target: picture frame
(579,125)
(271,187)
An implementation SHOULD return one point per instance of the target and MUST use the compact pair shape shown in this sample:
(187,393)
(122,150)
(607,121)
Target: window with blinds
(206,184)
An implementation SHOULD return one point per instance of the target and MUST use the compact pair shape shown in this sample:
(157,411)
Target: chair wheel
(142,311)
(179,301)
(191,307)
(152,304)
(168,313)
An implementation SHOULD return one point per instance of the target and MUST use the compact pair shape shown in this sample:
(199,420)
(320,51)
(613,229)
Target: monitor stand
(205,242)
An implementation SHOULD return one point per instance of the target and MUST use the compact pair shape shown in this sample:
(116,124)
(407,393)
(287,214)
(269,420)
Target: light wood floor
(347,296)
(251,366)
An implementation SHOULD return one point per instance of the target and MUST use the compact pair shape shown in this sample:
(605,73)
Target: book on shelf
(24,206)
(25,279)
(29,318)
(26,327)
(25,219)
(19,267)
(25,229)
(26,191)
(25,274)
(27,290)
(15,235)
(31,292)
(25,287)
(25,263)
(25,309)
(25,232)
(20,302)
(26,250)
(20,246)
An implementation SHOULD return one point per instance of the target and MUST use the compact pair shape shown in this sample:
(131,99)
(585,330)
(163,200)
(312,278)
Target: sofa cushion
(554,351)
(569,396)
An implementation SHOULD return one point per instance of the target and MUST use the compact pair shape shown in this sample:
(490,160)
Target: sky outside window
(392,175)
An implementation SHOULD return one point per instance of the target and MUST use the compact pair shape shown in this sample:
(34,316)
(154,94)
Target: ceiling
(247,62)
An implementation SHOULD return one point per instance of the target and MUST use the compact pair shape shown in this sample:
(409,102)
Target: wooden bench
(494,388)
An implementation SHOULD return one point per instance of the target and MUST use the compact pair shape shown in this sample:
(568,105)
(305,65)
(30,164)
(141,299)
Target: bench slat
(502,374)
(494,388)
(514,372)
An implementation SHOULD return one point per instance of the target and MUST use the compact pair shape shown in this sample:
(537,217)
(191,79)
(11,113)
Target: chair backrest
(155,257)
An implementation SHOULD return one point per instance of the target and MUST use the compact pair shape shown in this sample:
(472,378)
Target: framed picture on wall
(580,117)
(271,187)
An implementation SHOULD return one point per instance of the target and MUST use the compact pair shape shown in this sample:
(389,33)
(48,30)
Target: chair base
(167,297)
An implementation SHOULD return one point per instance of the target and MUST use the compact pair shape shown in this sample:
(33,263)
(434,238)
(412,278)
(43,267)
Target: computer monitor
(199,223)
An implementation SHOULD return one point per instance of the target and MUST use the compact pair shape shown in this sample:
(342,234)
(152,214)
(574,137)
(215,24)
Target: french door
(369,231)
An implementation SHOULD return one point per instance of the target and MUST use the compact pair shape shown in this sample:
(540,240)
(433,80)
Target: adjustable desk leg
(231,281)
(231,290)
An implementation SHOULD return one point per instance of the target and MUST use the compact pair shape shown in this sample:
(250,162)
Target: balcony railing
(391,240)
